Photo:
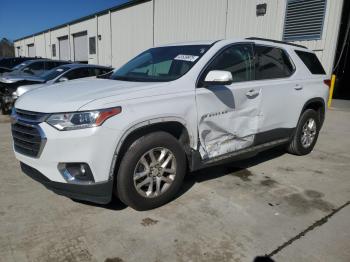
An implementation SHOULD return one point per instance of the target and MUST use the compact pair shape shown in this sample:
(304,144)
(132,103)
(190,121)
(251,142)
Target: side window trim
(221,50)
(277,47)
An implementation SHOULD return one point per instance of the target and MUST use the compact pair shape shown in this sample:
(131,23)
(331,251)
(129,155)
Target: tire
(162,146)
(298,145)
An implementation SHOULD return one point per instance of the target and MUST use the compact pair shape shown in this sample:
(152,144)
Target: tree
(6,48)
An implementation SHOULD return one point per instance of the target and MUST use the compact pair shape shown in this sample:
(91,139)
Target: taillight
(327,82)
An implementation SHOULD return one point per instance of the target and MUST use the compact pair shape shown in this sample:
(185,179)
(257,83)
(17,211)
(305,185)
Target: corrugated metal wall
(124,33)
(132,32)
(183,20)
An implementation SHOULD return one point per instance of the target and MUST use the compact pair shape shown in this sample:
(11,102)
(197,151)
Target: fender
(140,125)
(317,100)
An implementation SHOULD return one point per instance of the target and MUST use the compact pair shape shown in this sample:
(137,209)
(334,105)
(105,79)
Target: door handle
(298,87)
(252,93)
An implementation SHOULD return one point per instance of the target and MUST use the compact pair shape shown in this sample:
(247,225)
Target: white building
(113,36)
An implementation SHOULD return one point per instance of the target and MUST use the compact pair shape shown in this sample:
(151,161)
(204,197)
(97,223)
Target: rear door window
(272,62)
(77,73)
(50,65)
(311,61)
(98,71)
(35,68)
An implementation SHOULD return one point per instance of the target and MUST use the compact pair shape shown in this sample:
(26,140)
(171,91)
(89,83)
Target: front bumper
(100,193)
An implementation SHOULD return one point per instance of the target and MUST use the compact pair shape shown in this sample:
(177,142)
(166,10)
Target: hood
(71,95)
(24,89)
(13,77)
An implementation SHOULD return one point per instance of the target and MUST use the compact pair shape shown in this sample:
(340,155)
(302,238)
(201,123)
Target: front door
(229,115)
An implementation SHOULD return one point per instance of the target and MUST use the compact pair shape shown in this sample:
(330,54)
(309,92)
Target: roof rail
(275,41)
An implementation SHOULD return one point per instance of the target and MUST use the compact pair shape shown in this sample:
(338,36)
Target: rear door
(279,92)
(229,115)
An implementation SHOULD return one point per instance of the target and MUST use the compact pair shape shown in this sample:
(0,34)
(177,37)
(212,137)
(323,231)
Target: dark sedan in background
(21,85)
(8,63)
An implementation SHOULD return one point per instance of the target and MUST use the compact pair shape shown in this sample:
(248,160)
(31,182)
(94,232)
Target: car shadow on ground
(115,204)
(236,168)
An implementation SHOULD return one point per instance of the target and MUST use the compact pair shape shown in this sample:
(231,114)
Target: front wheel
(151,171)
(306,133)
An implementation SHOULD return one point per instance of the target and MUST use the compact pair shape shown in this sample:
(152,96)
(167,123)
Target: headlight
(80,120)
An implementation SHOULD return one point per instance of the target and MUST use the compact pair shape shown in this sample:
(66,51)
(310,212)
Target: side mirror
(63,79)
(218,77)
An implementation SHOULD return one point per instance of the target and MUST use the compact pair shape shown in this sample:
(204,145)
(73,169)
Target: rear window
(311,61)
(272,63)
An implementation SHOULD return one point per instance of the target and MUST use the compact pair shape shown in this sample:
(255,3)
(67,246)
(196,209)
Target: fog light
(78,173)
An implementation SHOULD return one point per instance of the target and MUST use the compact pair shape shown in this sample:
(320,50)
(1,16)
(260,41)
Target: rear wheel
(151,171)
(306,133)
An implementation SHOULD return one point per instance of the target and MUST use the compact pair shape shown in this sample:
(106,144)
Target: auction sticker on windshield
(190,58)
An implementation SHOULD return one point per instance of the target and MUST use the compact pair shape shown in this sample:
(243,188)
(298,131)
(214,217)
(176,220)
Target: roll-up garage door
(31,50)
(63,48)
(80,47)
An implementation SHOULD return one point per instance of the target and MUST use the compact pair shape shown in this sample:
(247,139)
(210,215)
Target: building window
(304,20)
(53,50)
(92,45)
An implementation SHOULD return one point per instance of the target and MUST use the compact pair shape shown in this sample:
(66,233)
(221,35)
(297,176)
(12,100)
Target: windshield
(161,64)
(53,73)
(20,66)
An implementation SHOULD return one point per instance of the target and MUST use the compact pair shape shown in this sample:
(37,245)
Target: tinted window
(78,73)
(99,71)
(237,59)
(51,74)
(51,65)
(36,66)
(311,61)
(20,66)
(92,45)
(161,64)
(272,62)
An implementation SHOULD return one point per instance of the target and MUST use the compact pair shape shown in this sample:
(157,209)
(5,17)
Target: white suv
(170,110)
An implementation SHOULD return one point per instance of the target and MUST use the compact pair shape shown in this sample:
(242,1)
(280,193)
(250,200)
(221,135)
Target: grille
(304,20)
(28,138)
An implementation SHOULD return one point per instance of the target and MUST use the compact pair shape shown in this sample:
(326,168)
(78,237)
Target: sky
(20,18)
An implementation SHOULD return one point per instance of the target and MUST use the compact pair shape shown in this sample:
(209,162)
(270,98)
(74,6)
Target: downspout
(70,52)
(110,35)
(153,2)
(97,41)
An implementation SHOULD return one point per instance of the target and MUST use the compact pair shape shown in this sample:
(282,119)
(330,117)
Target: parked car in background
(170,110)
(24,73)
(56,75)
(7,63)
